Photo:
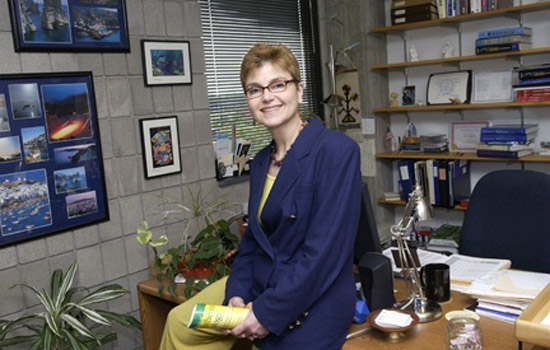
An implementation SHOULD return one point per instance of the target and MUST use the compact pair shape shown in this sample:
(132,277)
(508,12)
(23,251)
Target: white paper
(466,268)
(404,172)
(529,280)
(424,256)
(369,126)
(492,86)
(393,319)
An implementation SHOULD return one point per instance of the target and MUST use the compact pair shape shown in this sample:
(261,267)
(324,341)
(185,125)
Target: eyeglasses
(256,91)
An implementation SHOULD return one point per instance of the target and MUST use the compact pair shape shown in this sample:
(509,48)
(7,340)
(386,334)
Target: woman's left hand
(250,327)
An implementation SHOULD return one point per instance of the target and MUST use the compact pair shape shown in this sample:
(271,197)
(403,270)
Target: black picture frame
(160,146)
(76,29)
(51,166)
(166,62)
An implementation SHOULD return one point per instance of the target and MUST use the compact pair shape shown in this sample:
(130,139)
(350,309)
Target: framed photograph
(166,62)
(51,168)
(69,25)
(449,87)
(408,98)
(160,146)
(493,86)
(465,135)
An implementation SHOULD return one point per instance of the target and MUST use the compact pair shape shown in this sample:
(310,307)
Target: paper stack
(505,294)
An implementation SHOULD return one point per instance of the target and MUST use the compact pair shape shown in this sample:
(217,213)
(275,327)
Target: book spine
(492,5)
(501,40)
(544,80)
(533,74)
(538,98)
(442,11)
(504,32)
(498,154)
(497,48)
(502,138)
(507,142)
(450,8)
(503,131)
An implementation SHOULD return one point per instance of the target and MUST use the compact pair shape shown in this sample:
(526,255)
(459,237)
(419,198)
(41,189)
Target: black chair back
(507,218)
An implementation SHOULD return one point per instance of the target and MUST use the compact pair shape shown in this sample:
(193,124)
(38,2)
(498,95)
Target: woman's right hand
(234,302)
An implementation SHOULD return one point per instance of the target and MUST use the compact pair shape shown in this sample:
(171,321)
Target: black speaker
(375,274)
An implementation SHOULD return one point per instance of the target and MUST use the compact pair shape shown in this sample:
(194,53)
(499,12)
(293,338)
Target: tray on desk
(528,326)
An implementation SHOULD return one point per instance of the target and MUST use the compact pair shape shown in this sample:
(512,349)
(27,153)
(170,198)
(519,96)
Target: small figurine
(455,101)
(448,50)
(393,101)
(413,55)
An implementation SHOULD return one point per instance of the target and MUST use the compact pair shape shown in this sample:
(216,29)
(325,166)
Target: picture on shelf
(67,111)
(10,151)
(81,204)
(69,25)
(70,180)
(75,154)
(25,102)
(25,202)
(35,146)
(43,161)
(408,98)
(166,62)
(160,144)
(4,121)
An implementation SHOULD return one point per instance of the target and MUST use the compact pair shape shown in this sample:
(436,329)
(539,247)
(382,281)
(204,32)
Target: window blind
(230,28)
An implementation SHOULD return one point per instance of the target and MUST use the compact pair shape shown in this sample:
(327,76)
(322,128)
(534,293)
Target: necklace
(279,162)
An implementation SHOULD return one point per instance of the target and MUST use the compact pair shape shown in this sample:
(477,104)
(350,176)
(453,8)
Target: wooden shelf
(463,18)
(532,158)
(534,51)
(461,107)
(402,203)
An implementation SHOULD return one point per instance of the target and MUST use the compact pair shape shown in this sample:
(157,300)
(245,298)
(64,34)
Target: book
(406,3)
(504,154)
(502,48)
(415,17)
(442,8)
(505,138)
(520,30)
(502,316)
(504,3)
(475,6)
(498,307)
(532,82)
(537,98)
(534,73)
(405,11)
(443,183)
(504,40)
(406,177)
(510,129)
(484,146)
(458,175)
(533,90)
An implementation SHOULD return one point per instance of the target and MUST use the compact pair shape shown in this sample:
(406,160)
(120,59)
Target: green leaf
(201,285)
(144,235)
(162,240)
(55,283)
(78,326)
(212,278)
(91,315)
(17,340)
(124,320)
(66,284)
(46,302)
(105,293)
(76,344)
(52,325)
(172,289)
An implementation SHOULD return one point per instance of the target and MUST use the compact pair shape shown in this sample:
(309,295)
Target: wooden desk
(154,308)
(497,335)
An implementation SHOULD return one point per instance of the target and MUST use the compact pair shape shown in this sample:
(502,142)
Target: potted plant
(68,320)
(202,260)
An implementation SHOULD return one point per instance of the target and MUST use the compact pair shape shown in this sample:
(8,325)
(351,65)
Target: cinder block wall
(108,252)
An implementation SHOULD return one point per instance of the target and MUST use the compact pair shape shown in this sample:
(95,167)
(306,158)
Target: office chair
(508,218)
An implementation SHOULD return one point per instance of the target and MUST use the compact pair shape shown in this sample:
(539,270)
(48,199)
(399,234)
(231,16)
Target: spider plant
(68,320)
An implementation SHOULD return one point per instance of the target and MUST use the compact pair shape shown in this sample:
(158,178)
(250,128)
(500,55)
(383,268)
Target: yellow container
(216,316)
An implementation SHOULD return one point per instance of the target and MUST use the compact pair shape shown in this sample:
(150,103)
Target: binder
(406,177)
(443,183)
(459,181)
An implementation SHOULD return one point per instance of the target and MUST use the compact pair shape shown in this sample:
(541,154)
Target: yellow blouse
(269,181)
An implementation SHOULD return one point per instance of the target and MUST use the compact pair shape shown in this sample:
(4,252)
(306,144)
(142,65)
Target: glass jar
(464,334)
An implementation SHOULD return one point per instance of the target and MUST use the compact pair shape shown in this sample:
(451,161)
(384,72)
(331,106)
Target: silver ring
(254,336)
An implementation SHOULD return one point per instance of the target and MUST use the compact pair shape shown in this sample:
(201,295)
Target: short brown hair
(278,55)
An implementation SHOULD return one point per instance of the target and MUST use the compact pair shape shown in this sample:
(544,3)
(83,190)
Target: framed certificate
(444,88)
(464,135)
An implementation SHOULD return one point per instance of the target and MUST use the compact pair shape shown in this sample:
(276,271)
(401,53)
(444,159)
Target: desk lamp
(418,208)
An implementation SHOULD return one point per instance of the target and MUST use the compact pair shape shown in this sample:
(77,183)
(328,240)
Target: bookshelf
(461,107)
(458,59)
(532,158)
(402,203)
(470,17)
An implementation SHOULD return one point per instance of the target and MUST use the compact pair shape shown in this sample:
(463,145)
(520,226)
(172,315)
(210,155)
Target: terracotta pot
(200,270)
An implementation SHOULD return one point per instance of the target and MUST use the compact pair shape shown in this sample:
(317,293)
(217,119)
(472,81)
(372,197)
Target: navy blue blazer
(297,266)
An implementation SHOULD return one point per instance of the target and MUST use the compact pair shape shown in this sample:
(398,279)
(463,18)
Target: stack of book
(408,11)
(507,141)
(452,8)
(532,83)
(503,39)
(410,144)
(434,144)
(501,309)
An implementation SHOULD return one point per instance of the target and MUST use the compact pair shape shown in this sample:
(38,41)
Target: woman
(294,267)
